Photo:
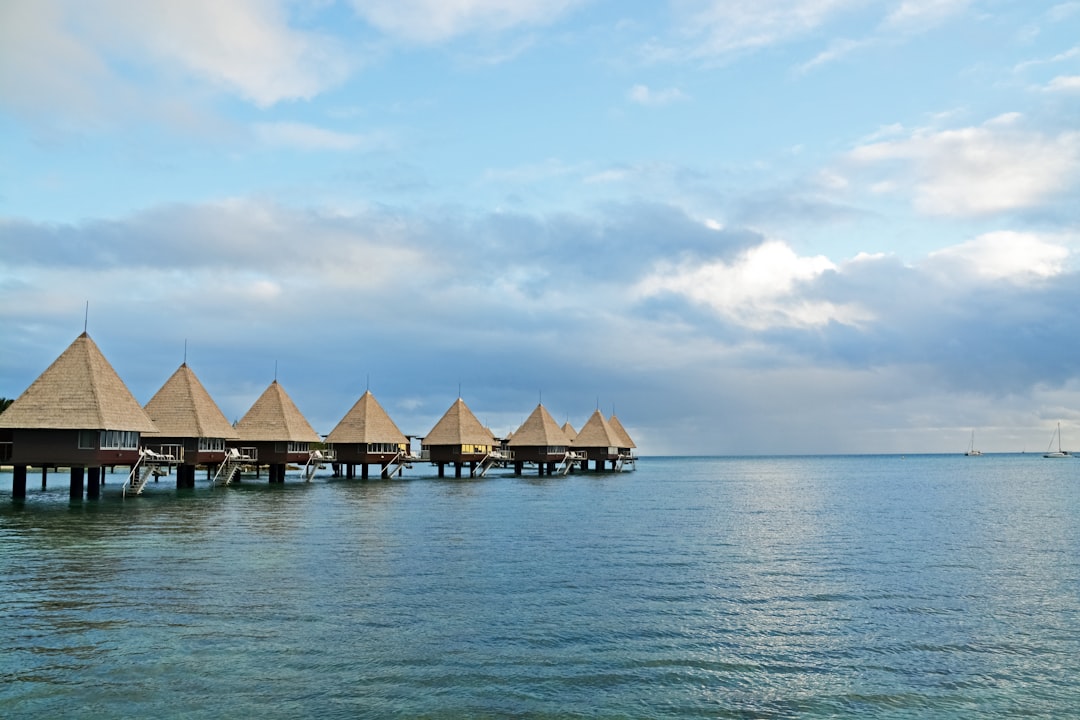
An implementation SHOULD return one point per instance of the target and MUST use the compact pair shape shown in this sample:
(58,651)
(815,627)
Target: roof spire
(185,351)
(86,317)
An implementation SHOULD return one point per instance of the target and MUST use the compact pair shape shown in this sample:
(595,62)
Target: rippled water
(893,587)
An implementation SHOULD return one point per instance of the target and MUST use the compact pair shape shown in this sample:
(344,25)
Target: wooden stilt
(76,486)
(93,483)
(18,482)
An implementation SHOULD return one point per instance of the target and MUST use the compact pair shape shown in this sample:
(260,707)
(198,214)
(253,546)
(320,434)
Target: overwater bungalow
(459,439)
(278,433)
(77,414)
(367,436)
(599,442)
(539,440)
(626,444)
(191,427)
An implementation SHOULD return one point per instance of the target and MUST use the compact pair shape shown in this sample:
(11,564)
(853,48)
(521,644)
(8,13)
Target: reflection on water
(770,587)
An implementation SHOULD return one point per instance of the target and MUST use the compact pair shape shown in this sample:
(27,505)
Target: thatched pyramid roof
(569,430)
(459,427)
(274,418)
(365,423)
(539,430)
(183,409)
(595,433)
(624,437)
(79,391)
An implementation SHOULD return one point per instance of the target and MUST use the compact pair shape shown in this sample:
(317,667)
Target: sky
(743,226)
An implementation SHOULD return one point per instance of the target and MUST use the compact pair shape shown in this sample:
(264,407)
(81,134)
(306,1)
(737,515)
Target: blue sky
(768,226)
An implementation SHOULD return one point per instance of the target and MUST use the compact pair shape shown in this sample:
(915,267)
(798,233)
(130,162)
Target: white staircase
(624,460)
(569,459)
(151,464)
(493,458)
(235,459)
(315,460)
(397,465)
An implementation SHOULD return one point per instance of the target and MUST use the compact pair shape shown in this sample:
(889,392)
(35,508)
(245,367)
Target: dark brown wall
(452,454)
(61,447)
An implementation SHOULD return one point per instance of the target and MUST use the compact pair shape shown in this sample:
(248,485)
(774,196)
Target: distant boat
(971,446)
(1059,453)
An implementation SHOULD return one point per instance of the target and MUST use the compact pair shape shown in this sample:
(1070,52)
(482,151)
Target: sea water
(802,587)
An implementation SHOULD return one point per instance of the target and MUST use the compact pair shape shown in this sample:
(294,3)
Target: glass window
(119,440)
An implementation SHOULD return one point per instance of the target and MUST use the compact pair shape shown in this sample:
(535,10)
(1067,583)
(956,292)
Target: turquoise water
(925,586)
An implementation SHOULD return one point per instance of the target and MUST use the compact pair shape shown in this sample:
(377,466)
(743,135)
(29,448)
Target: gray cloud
(512,305)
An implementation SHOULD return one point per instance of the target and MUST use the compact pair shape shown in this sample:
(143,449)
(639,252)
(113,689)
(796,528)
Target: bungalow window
(211,444)
(119,440)
(88,440)
(298,447)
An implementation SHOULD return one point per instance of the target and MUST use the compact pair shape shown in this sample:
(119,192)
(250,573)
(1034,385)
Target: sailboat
(1059,453)
(971,447)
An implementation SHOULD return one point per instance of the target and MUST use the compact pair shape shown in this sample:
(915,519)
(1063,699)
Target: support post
(442,469)
(18,482)
(363,471)
(44,476)
(76,486)
(93,483)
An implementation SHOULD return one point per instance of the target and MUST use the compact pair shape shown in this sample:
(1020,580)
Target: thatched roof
(596,433)
(539,430)
(620,431)
(274,418)
(459,427)
(183,409)
(365,423)
(569,430)
(79,391)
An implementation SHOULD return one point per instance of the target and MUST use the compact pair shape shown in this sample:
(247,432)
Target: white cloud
(918,15)
(433,21)
(836,50)
(1064,83)
(732,25)
(1059,58)
(309,137)
(44,65)
(608,176)
(758,290)
(996,167)
(1003,255)
(1064,10)
(57,57)
(644,95)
